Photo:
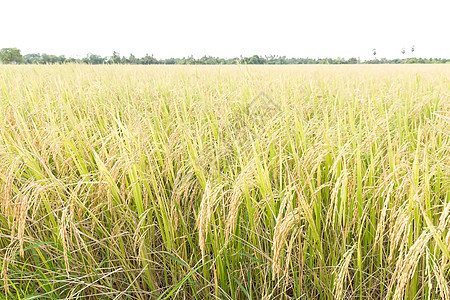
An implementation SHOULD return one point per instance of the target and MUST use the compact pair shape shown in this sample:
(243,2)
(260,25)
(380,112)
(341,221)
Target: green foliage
(115,58)
(93,59)
(10,55)
(46,59)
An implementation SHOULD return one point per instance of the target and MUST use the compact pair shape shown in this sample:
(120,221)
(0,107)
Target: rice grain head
(204,216)
(21,215)
(63,236)
(407,267)
(382,219)
(342,270)
(400,231)
(281,232)
(244,180)
(442,282)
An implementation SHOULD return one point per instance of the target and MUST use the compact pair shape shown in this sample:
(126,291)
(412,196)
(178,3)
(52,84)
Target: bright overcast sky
(172,28)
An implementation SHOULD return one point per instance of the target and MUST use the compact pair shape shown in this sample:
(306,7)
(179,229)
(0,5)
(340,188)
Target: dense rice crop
(230,182)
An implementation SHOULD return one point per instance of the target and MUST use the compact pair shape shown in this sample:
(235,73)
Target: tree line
(14,56)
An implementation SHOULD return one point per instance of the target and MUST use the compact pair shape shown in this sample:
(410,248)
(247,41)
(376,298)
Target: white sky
(172,28)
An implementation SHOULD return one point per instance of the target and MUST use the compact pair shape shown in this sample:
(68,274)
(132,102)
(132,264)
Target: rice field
(225,182)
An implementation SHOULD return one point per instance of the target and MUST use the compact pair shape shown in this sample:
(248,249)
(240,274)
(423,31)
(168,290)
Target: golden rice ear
(281,232)
(444,218)
(400,231)
(22,210)
(5,200)
(63,236)
(5,264)
(436,274)
(405,269)
(447,242)
(206,210)
(204,216)
(289,281)
(342,271)
(382,220)
(245,180)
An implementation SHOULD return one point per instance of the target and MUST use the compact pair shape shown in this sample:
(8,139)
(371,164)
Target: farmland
(225,182)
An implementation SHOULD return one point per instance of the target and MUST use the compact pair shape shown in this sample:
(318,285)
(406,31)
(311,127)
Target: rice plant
(225,182)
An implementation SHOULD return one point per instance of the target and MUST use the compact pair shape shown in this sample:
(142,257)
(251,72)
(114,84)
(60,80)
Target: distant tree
(45,58)
(412,61)
(49,59)
(33,58)
(94,59)
(62,59)
(71,60)
(255,60)
(115,58)
(124,60)
(170,61)
(148,60)
(132,59)
(353,60)
(10,55)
